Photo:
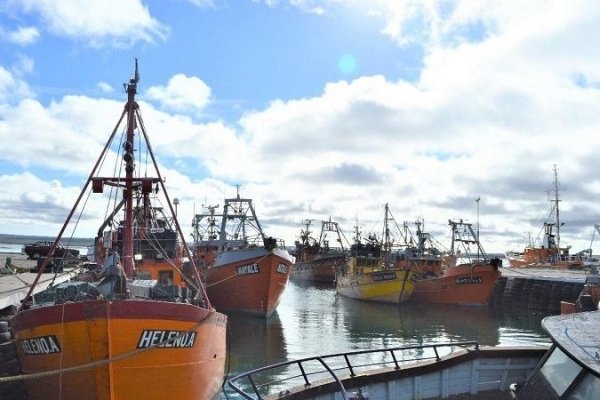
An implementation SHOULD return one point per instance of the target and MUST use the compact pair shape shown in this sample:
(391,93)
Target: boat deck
(562,275)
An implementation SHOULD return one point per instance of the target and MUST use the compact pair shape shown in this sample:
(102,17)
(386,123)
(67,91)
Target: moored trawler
(368,279)
(549,254)
(131,327)
(370,276)
(316,260)
(469,283)
(245,271)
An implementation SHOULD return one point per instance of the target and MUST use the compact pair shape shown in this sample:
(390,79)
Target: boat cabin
(571,368)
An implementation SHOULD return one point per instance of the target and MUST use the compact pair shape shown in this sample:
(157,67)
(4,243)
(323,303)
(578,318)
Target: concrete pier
(14,286)
(538,290)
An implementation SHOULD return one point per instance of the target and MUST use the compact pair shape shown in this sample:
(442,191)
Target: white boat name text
(168,339)
(468,279)
(281,268)
(248,269)
(41,345)
(387,276)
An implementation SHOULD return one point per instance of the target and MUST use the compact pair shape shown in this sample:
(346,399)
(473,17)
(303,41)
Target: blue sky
(318,108)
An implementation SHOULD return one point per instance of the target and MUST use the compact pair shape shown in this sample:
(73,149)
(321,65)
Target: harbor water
(314,320)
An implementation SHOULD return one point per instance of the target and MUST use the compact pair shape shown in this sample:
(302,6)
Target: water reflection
(254,342)
(383,325)
(314,320)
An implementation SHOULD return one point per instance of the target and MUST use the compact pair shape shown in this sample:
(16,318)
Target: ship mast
(128,157)
(556,200)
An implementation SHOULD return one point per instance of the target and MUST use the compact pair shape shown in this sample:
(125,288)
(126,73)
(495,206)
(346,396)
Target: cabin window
(588,388)
(560,371)
(165,278)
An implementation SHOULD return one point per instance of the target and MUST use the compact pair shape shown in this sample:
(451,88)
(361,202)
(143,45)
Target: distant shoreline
(24,239)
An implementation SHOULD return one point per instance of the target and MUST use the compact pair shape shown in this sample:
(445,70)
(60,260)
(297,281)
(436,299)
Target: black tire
(5,337)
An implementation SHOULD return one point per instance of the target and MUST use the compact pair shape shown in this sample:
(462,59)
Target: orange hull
(80,337)
(538,257)
(421,266)
(250,285)
(464,284)
(318,270)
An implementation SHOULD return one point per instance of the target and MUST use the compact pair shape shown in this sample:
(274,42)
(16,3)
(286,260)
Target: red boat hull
(250,285)
(466,284)
(321,270)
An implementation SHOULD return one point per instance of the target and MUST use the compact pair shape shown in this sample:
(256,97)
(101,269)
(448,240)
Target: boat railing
(282,377)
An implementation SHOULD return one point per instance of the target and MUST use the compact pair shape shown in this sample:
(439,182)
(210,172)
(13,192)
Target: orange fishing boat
(130,330)
(245,271)
(316,260)
(549,254)
(420,255)
(468,283)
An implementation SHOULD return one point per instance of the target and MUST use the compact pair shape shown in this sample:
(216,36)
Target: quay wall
(536,294)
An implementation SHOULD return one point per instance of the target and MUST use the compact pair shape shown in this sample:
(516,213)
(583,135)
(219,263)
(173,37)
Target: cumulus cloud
(495,106)
(105,87)
(22,36)
(11,88)
(182,94)
(97,23)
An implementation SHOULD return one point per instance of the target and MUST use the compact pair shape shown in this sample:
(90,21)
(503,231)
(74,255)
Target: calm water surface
(314,321)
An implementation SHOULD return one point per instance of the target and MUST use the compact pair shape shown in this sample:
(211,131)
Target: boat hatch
(561,377)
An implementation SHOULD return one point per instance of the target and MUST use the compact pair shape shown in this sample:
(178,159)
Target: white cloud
(97,22)
(22,36)
(25,65)
(182,94)
(489,115)
(105,87)
(12,89)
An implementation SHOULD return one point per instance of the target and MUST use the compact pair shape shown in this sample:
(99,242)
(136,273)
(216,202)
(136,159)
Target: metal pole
(478,198)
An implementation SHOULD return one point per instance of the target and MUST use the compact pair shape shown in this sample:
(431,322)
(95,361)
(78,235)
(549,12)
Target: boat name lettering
(168,339)
(387,276)
(41,345)
(281,268)
(248,269)
(469,279)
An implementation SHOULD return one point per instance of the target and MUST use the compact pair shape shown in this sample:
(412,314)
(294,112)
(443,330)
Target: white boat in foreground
(568,369)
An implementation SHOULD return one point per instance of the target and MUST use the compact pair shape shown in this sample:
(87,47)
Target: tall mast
(128,158)
(556,200)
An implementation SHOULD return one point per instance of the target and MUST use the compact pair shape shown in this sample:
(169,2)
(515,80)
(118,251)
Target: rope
(222,280)
(236,274)
(99,363)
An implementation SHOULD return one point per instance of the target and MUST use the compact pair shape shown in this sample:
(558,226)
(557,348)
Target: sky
(317,109)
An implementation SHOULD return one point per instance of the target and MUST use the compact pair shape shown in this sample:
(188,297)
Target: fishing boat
(134,326)
(567,369)
(549,254)
(316,260)
(370,276)
(470,279)
(245,271)
(419,254)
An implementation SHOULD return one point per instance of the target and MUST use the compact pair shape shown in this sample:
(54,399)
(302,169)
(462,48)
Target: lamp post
(478,198)
(176,203)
